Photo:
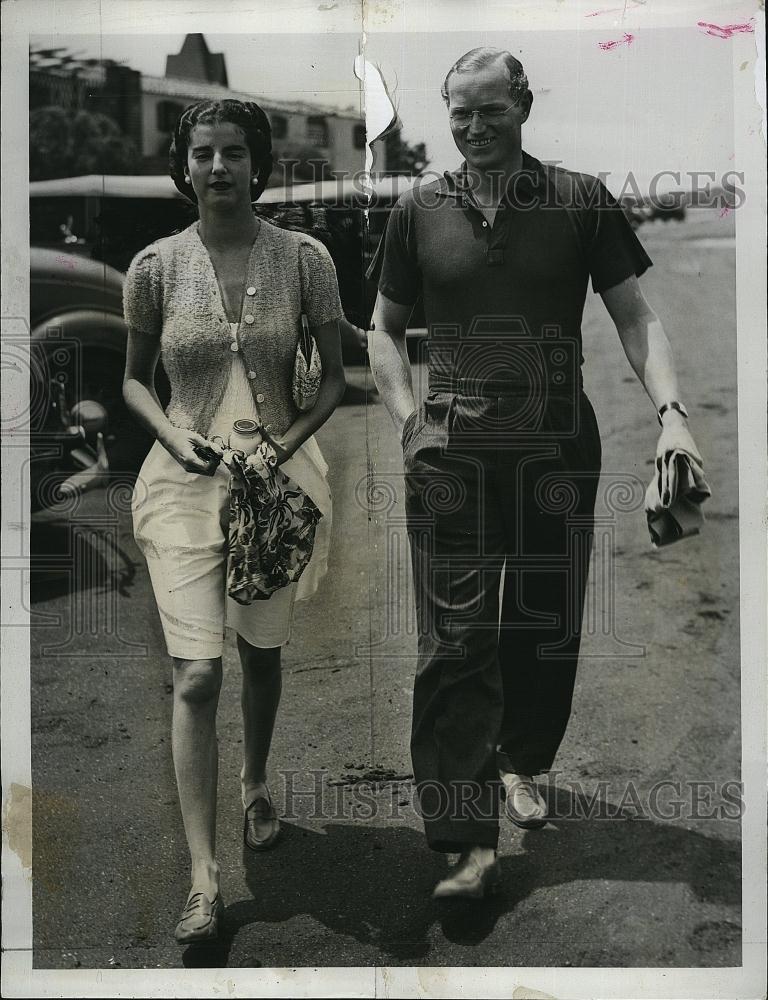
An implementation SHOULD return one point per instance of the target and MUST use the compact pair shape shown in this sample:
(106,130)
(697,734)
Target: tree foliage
(404,158)
(67,144)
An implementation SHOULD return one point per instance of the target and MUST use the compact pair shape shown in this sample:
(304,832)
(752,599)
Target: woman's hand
(263,459)
(282,452)
(181,444)
(281,448)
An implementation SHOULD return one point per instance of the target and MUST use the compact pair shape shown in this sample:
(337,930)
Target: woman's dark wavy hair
(250,118)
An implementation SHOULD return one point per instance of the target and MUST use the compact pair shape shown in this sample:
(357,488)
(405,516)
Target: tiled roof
(193,90)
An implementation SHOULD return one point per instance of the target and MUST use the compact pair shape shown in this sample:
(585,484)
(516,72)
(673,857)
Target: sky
(661,102)
(289,67)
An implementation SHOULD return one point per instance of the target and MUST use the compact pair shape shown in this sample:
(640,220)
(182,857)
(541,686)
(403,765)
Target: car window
(114,229)
(124,226)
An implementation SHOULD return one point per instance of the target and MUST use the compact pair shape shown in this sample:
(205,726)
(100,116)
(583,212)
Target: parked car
(78,341)
(668,207)
(636,212)
(84,233)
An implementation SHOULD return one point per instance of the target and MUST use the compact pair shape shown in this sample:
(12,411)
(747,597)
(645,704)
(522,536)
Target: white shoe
(469,879)
(524,806)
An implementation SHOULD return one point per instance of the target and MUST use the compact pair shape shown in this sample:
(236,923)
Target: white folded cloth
(674,497)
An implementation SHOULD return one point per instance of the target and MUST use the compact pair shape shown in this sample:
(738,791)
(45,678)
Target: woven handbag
(307,370)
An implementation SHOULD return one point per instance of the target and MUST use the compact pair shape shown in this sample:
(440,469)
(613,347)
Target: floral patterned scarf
(272,524)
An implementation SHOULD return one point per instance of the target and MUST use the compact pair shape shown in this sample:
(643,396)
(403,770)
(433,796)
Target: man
(503,460)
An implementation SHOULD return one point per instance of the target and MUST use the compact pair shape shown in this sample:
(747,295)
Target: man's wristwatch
(674,405)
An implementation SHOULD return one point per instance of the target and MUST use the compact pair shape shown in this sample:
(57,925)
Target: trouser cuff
(455,841)
(461,814)
(530,762)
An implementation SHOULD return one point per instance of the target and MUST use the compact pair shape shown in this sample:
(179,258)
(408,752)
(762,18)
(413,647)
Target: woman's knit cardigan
(171,291)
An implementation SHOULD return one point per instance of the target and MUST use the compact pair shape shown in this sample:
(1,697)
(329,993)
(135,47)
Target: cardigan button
(259,397)
(250,290)
(233,346)
(248,318)
(251,374)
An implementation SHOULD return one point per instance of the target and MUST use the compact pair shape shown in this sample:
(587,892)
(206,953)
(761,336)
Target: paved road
(657,699)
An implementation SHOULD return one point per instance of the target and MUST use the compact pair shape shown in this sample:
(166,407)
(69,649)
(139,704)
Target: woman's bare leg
(262,685)
(196,686)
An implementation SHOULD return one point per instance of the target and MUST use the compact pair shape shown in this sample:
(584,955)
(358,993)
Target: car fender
(88,327)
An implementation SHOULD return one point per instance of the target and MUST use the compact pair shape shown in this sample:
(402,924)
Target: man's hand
(675,436)
(400,424)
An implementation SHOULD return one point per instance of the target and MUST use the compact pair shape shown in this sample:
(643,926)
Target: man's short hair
(486,56)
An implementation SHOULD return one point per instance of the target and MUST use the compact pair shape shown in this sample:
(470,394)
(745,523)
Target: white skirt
(180,522)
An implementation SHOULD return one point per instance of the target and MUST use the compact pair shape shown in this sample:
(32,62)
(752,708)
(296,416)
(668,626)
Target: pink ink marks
(725,210)
(725,30)
(67,262)
(626,40)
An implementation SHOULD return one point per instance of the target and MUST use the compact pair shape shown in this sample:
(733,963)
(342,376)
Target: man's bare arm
(649,352)
(389,359)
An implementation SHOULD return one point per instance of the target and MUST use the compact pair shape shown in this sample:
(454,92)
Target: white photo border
(21,18)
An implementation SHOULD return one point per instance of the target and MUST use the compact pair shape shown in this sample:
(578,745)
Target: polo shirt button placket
(497,239)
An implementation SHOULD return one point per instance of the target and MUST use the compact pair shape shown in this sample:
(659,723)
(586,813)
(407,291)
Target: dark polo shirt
(524,277)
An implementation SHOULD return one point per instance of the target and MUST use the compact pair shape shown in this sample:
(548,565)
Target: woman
(221,301)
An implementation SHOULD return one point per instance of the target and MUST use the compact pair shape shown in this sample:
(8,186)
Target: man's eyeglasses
(490,113)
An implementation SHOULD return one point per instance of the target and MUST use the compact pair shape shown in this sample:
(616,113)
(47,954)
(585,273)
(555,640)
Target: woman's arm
(648,350)
(332,388)
(140,397)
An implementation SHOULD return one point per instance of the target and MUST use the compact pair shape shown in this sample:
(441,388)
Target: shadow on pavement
(368,883)
(69,558)
(359,395)
(374,884)
(628,849)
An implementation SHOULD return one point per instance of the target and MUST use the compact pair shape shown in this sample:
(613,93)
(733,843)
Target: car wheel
(101,380)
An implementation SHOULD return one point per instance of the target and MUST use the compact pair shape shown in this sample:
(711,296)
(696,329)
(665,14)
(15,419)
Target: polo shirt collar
(455,183)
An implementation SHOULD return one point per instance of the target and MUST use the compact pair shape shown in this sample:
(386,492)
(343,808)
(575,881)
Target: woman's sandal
(200,919)
(261,827)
